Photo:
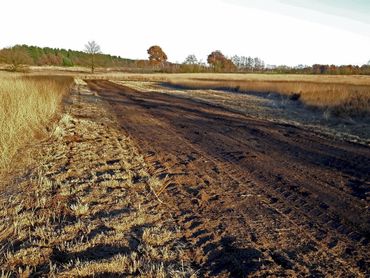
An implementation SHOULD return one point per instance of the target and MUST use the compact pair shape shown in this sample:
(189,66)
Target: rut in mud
(254,197)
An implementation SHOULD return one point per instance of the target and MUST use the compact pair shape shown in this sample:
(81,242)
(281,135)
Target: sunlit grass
(26,106)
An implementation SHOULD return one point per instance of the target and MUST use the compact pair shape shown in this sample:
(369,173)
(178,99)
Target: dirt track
(254,197)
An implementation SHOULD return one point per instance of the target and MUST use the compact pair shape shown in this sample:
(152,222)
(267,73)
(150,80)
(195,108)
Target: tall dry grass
(27,104)
(337,98)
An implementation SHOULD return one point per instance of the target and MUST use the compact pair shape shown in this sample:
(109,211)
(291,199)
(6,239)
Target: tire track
(248,189)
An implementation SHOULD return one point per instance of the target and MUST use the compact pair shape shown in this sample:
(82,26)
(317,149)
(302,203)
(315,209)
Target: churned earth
(254,197)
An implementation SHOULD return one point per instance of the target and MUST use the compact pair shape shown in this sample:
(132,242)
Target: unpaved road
(254,197)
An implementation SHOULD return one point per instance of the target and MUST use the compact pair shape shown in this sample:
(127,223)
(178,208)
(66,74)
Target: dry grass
(26,106)
(87,209)
(338,98)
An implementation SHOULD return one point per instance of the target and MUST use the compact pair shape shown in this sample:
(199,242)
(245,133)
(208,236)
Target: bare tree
(237,60)
(191,64)
(191,60)
(92,48)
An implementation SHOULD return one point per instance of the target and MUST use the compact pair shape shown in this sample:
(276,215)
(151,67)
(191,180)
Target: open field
(345,96)
(27,104)
(108,73)
(143,177)
(341,99)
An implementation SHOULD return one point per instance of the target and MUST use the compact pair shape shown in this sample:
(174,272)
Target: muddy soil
(254,197)
(272,107)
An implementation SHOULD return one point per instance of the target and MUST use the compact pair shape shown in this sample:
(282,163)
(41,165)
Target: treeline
(346,69)
(157,62)
(218,62)
(323,69)
(46,56)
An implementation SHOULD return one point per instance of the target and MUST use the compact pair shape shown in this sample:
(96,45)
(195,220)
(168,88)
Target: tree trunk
(92,63)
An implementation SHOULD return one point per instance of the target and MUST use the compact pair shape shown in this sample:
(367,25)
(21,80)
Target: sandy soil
(254,197)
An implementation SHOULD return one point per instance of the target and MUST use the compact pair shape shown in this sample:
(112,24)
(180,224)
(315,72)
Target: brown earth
(253,197)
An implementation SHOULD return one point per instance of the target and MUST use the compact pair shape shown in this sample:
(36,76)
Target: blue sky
(279,31)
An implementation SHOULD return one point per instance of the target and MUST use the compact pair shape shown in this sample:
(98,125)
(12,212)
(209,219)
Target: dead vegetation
(26,107)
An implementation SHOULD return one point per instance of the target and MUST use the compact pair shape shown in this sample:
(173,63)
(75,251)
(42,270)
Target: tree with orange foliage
(157,55)
(219,62)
